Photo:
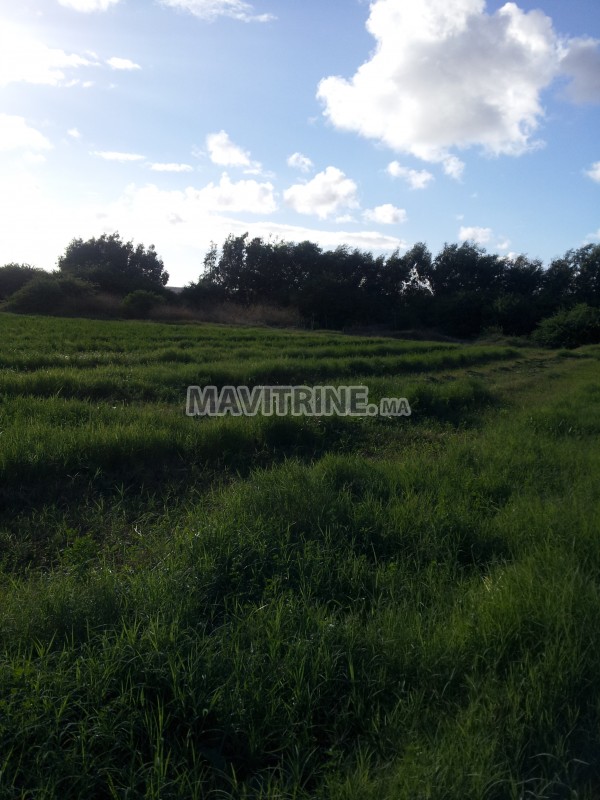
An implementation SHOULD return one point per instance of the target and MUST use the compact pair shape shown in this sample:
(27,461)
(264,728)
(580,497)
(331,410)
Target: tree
(465,280)
(522,276)
(465,268)
(586,265)
(517,306)
(114,265)
(558,286)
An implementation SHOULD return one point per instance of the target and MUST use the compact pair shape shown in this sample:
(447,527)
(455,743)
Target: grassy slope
(269,608)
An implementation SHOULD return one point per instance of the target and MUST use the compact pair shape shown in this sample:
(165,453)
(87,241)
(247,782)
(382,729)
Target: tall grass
(311,608)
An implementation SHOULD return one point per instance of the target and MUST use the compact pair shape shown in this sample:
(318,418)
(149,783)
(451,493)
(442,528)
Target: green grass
(296,608)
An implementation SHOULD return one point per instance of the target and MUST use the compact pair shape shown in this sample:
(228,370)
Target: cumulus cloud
(244,195)
(593,237)
(88,5)
(453,167)
(326,194)
(74,133)
(416,178)
(594,171)
(225,153)
(445,74)
(167,167)
(301,162)
(15,134)
(23,59)
(122,63)
(112,155)
(210,10)
(180,223)
(386,214)
(582,64)
(475,234)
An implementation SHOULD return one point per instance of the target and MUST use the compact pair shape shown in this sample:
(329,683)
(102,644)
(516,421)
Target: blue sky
(377,125)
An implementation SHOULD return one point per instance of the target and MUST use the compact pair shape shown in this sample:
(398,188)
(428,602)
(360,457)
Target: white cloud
(212,9)
(122,63)
(582,64)
(180,223)
(387,214)
(453,167)
(15,134)
(23,59)
(445,74)
(503,244)
(189,217)
(475,234)
(88,5)
(301,162)
(111,155)
(225,153)
(244,195)
(593,237)
(594,171)
(416,179)
(158,167)
(74,133)
(327,193)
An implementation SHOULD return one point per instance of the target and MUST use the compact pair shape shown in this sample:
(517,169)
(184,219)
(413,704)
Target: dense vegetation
(463,291)
(99,277)
(335,608)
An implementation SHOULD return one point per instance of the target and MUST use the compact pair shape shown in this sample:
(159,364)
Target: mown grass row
(86,340)
(169,383)
(188,352)
(48,442)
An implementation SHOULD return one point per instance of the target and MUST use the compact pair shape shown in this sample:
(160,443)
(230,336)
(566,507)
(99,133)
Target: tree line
(462,291)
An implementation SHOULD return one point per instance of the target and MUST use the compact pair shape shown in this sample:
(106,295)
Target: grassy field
(344,608)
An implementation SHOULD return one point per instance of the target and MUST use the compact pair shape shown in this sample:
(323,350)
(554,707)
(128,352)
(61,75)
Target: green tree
(114,265)
(465,280)
(586,264)
(465,268)
(558,286)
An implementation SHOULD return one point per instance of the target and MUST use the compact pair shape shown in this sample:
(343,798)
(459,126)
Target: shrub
(140,303)
(14,276)
(570,328)
(50,293)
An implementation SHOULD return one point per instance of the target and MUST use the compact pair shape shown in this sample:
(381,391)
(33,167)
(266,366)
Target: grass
(296,608)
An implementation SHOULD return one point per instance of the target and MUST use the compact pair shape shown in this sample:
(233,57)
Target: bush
(140,303)
(14,276)
(203,294)
(50,293)
(570,328)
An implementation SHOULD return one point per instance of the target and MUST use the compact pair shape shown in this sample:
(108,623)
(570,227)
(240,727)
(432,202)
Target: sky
(345,122)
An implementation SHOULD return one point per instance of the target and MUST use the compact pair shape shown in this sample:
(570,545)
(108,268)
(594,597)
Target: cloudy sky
(374,124)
